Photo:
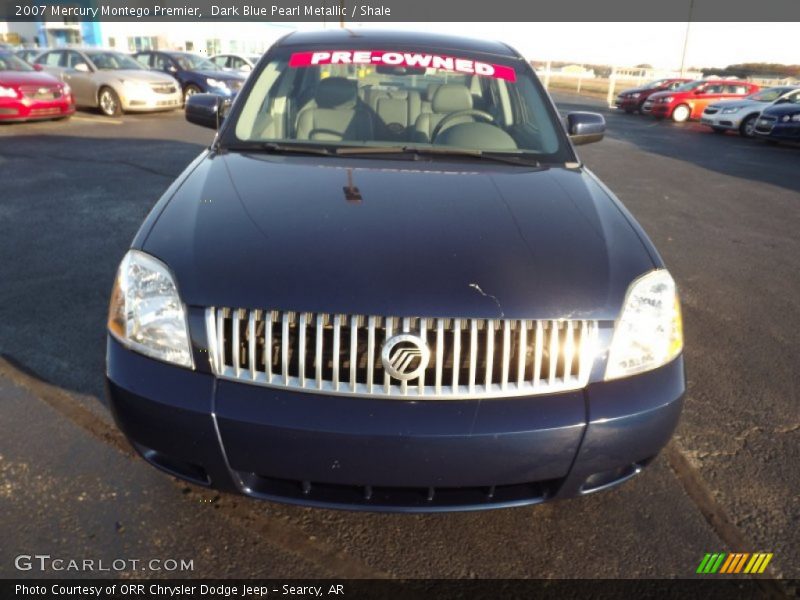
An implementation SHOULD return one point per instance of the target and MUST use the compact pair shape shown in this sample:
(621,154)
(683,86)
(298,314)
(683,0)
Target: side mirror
(245,68)
(82,68)
(206,110)
(585,127)
(699,92)
(37,67)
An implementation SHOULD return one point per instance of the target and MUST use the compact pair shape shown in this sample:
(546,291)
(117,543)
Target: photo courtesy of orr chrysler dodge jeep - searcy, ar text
(390,284)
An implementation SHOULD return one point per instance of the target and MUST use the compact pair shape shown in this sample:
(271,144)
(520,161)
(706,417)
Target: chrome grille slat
(341,354)
(337,325)
(251,343)
(456,351)
(370,352)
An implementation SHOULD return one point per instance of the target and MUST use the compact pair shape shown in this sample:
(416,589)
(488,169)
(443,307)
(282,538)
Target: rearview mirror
(206,110)
(585,127)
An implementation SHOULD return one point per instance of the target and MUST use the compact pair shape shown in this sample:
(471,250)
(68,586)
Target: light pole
(686,38)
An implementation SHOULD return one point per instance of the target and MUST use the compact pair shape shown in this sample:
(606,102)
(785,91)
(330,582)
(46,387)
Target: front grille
(423,498)
(44,112)
(164,88)
(34,92)
(341,354)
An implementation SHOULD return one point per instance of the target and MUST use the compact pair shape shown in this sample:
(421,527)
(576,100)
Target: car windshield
(192,62)
(768,95)
(114,61)
(395,99)
(9,62)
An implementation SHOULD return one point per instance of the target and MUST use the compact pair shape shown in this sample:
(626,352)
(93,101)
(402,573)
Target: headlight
(649,332)
(635,95)
(796,118)
(730,111)
(6,92)
(216,83)
(666,99)
(146,313)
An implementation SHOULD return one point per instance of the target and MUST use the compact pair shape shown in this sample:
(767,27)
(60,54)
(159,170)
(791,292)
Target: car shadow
(68,211)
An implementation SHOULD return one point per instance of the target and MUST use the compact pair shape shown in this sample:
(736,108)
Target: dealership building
(198,36)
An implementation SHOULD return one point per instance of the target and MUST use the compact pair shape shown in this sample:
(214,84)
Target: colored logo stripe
(737,562)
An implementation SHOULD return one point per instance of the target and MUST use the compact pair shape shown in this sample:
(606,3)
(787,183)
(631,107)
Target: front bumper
(32,110)
(151,101)
(627,104)
(722,121)
(789,132)
(392,455)
(657,109)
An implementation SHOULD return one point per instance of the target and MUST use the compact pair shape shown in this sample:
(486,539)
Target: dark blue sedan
(391,284)
(780,122)
(195,73)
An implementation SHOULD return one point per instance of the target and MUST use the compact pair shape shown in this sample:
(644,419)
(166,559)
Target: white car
(239,63)
(111,81)
(740,115)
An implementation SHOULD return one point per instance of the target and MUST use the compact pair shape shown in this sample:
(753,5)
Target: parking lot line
(98,120)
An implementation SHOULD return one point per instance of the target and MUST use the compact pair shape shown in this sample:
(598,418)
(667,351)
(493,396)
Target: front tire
(108,101)
(681,113)
(748,127)
(189,91)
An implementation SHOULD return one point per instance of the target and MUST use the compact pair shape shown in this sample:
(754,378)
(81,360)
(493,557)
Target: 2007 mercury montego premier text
(390,284)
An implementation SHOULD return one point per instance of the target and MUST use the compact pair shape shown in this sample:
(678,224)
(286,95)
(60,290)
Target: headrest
(336,92)
(451,97)
(432,87)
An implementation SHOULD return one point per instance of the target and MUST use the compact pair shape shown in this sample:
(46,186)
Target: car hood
(658,95)
(139,75)
(446,239)
(636,89)
(15,78)
(778,110)
(740,104)
(222,75)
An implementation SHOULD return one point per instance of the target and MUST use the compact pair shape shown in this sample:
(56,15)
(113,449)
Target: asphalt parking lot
(723,211)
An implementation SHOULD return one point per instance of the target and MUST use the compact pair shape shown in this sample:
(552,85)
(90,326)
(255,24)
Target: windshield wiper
(276,148)
(502,157)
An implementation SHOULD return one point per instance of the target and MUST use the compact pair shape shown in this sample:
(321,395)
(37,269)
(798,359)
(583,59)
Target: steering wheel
(470,112)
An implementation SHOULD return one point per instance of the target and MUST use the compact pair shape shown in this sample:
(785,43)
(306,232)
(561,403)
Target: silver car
(238,63)
(111,81)
(741,114)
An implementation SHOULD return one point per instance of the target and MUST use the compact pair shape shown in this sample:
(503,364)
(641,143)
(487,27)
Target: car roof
(373,38)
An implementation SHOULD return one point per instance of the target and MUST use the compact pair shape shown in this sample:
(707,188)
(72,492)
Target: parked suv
(338,305)
(689,100)
(631,100)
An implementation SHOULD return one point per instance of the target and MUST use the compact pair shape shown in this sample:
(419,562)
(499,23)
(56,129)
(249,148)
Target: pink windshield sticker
(402,59)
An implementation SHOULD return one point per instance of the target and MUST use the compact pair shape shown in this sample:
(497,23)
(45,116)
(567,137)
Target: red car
(26,94)
(690,100)
(631,100)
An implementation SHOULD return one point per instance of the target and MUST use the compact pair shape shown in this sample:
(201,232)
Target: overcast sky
(628,44)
